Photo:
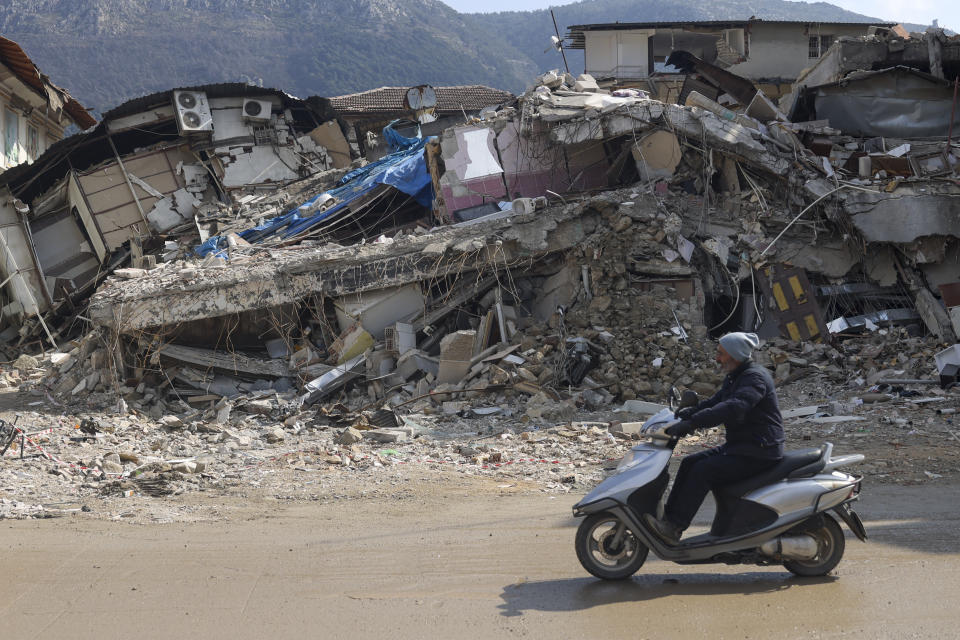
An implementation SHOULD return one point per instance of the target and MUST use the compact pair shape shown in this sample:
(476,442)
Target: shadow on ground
(585,593)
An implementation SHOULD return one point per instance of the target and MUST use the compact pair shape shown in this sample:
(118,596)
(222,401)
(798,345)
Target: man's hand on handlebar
(680,429)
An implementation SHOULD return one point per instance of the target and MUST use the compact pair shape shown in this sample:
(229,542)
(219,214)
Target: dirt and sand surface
(439,555)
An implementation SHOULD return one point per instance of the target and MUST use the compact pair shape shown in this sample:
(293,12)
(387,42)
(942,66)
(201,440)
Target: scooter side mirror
(689,399)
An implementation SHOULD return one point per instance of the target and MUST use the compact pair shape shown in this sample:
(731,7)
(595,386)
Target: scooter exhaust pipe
(791,547)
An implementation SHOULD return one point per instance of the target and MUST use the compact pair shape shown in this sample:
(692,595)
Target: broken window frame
(736,39)
(11,138)
(33,142)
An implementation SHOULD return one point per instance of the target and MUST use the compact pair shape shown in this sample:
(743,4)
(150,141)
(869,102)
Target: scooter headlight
(631,459)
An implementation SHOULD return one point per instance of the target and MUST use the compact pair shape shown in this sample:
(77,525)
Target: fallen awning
(897,102)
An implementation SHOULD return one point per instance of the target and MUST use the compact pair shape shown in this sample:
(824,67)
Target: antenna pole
(565,65)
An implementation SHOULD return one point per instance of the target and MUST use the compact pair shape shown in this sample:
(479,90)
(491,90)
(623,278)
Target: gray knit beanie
(739,344)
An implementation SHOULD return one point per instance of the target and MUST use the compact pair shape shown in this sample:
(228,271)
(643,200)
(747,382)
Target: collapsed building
(150,168)
(576,245)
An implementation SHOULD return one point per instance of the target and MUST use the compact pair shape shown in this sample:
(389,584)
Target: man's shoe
(664,529)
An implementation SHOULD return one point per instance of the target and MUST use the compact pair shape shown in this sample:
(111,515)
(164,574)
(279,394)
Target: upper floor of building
(759,50)
(34,112)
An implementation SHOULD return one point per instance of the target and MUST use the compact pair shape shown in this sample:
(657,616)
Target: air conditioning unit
(193,112)
(257,110)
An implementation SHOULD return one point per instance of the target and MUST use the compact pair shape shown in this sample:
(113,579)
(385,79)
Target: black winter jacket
(747,405)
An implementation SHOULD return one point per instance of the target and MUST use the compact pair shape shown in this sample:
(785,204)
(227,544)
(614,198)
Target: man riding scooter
(747,405)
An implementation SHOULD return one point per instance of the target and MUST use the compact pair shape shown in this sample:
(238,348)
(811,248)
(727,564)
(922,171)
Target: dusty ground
(454,556)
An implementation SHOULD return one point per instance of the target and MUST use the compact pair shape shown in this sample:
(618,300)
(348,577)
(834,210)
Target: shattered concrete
(907,214)
(271,278)
(569,255)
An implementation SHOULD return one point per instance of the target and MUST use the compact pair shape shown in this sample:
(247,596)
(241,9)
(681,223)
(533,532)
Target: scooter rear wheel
(606,554)
(830,546)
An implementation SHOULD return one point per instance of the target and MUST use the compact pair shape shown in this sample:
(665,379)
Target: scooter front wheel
(830,546)
(607,548)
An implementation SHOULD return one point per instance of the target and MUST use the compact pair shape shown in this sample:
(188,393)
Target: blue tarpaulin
(405,170)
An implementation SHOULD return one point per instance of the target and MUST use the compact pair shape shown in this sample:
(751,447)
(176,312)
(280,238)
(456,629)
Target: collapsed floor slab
(268,278)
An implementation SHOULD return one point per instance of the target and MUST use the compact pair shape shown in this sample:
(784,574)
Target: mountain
(108,51)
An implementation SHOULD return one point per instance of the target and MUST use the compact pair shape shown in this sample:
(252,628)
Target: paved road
(460,566)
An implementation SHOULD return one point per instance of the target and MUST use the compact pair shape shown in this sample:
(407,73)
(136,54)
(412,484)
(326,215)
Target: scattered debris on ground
(502,298)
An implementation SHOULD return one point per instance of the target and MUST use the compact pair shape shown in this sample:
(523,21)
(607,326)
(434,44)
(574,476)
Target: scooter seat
(792,461)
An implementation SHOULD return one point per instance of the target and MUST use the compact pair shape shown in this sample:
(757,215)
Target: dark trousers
(700,472)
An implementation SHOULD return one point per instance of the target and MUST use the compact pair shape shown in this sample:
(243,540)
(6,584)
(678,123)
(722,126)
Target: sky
(915,11)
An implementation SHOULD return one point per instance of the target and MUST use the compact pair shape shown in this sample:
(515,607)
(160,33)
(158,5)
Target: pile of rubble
(503,299)
(116,462)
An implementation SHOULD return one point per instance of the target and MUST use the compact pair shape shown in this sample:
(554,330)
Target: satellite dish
(555,44)
(429,97)
(422,97)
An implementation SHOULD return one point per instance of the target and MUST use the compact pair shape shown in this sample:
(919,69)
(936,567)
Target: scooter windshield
(658,419)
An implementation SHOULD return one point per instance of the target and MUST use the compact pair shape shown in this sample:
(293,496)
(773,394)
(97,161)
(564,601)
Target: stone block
(386,435)
(458,345)
(274,435)
(452,371)
(627,428)
(349,436)
(586,83)
(259,407)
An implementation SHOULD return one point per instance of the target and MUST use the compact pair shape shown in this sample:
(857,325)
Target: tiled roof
(15,58)
(449,99)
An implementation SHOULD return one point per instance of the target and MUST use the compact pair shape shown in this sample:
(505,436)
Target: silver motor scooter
(780,516)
